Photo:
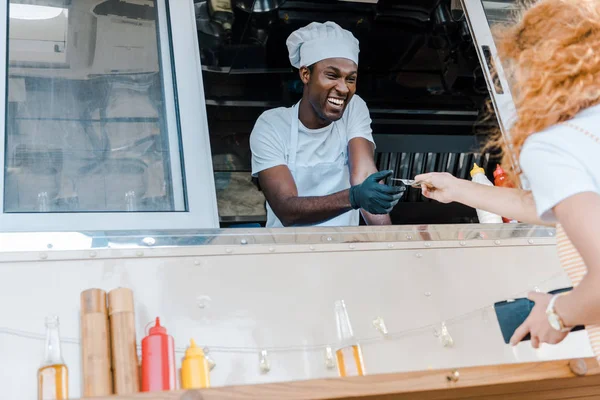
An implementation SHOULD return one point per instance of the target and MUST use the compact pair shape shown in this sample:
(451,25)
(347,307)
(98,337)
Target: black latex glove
(375,197)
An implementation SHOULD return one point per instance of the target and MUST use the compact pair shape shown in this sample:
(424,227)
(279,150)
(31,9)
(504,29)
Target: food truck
(126,164)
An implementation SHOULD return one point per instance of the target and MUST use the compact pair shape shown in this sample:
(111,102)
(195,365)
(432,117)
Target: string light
(211,363)
(379,324)
(444,336)
(264,364)
(440,331)
(329,358)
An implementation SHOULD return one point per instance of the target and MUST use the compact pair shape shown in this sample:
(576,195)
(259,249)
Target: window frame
(186,110)
(481,33)
(482,36)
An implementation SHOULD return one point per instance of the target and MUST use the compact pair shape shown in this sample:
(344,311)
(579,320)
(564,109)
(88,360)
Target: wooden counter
(575,379)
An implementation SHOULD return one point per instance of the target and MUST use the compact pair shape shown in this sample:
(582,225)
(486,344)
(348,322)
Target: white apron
(320,179)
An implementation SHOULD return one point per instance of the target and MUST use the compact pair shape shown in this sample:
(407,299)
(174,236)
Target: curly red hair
(552,54)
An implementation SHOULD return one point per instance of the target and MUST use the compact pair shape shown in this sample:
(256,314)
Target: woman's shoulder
(577,131)
(549,140)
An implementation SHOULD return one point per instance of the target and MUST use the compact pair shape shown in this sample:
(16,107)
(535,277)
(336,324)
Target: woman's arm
(510,203)
(580,217)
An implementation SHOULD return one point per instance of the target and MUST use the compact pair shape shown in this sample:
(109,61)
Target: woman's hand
(439,186)
(537,324)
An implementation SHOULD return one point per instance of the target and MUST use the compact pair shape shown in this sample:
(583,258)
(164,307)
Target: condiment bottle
(194,368)
(501,180)
(485,217)
(158,360)
(348,354)
(53,375)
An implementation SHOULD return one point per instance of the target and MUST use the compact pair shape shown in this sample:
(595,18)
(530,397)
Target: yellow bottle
(194,368)
(348,354)
(53,375)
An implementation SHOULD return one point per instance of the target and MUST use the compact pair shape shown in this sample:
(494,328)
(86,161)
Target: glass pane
(90,125)
(499,11)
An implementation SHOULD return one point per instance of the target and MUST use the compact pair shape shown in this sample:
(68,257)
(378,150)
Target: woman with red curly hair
(552,54)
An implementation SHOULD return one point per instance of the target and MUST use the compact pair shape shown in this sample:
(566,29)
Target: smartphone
(512,313)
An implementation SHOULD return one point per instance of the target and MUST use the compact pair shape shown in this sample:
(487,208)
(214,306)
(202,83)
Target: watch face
(554,322)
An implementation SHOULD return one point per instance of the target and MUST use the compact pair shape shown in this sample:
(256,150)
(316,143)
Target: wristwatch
(553,318)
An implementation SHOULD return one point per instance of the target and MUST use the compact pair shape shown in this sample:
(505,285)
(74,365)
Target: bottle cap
(476,170)
(498,171)
(158,329)
(51,321)
(193,350)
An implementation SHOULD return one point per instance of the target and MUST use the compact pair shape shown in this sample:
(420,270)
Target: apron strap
(293,137)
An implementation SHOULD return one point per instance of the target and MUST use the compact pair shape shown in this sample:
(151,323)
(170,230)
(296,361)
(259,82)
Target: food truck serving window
(420,74)
(96,118)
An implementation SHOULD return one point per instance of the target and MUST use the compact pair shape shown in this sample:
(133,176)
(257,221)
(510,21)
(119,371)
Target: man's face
(330,86)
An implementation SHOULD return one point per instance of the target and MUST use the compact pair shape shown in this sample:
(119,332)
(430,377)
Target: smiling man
(315,161)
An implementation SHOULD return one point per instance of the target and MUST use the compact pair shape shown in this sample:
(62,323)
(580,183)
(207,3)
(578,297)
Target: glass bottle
(130,201)
(43,203)
(53,375)
(348,354)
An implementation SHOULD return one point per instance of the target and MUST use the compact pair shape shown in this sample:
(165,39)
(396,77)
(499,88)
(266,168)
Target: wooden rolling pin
(95,344)
(122,334)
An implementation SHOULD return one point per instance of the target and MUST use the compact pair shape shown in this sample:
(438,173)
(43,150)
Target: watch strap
(551,311)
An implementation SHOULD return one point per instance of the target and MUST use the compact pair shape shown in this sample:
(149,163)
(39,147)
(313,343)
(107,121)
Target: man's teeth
(335,101)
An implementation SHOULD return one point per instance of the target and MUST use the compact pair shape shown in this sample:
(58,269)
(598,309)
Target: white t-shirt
(270,138)
(561,161)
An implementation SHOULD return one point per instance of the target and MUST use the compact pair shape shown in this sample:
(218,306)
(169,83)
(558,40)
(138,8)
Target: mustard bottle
(194,368)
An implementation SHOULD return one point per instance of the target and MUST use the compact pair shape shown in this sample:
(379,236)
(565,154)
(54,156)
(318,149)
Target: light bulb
(211,363)
(444,336)
(264,364)
(379,324)
(329,358)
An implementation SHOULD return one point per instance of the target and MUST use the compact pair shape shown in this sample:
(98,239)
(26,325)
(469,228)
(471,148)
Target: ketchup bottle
(501,180)
(158,360)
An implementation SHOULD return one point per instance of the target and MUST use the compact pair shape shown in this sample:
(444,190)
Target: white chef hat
(317,41)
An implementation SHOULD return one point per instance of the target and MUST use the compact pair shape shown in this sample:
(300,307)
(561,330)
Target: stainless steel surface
(245,71)
(272,104)
(242,103)
(421,235)
(243,218)
(259,6)
(204,23)
(424,112)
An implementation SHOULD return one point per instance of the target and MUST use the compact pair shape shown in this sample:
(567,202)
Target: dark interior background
(418,72)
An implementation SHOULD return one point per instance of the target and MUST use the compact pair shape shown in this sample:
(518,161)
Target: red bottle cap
(158,329)
(498,171)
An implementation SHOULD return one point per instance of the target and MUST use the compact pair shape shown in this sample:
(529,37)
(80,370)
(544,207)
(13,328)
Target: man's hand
(374,197)
(537,324)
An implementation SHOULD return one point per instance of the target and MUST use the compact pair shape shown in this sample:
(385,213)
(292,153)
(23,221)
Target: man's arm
(277,183)
(362,164)
(282,194)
